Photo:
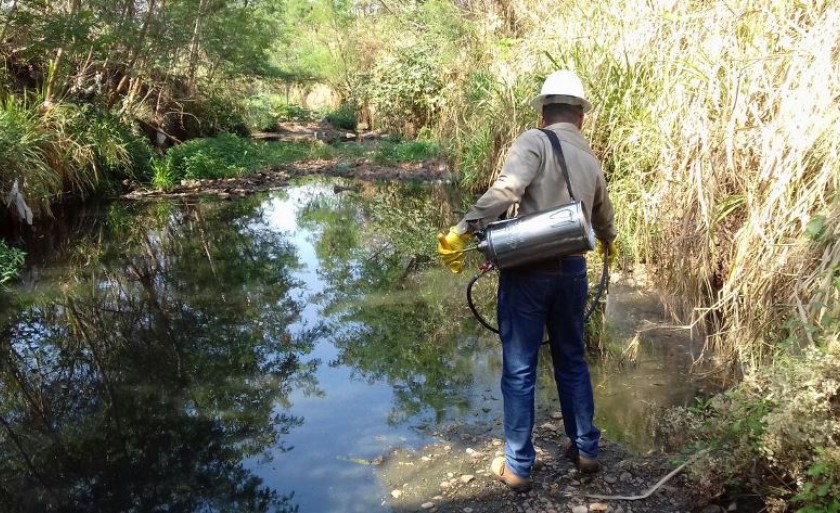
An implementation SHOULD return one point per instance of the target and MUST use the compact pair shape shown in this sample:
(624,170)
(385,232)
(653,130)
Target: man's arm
(603,216)
(521,166)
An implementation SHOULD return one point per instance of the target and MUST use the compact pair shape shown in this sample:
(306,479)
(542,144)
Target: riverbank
(279,177)
(453,475)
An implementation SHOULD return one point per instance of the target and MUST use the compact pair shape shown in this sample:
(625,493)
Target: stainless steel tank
(522,240)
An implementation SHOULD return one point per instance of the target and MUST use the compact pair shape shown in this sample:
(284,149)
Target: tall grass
(718,124)
(23,154)
(11,261)
(54,149)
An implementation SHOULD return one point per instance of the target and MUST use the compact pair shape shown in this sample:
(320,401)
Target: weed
(344,117)
(11,261)
(410,151)
(163,176)
(294,112)
(821,491)
(228,156)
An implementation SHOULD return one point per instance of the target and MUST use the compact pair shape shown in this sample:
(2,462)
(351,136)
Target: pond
(258,354)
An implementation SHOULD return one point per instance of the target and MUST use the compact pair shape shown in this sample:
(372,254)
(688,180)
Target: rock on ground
(453,475)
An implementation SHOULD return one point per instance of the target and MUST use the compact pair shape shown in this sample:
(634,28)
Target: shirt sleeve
(603,216)
(522,164)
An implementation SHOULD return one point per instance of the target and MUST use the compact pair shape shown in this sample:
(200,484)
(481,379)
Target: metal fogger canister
(522,240)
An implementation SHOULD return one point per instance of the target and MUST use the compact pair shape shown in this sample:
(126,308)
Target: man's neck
(545,123)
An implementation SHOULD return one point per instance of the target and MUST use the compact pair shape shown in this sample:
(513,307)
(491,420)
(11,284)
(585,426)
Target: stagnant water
(253,355)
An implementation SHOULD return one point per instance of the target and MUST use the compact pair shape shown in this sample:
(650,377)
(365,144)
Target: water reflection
(246,355)
(143,377)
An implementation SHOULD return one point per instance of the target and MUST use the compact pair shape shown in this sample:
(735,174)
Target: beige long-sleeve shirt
(532,178)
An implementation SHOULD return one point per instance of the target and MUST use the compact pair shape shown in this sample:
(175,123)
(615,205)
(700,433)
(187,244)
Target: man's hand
(451,249)
(612,253)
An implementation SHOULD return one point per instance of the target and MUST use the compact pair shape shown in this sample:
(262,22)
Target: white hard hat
(561,87)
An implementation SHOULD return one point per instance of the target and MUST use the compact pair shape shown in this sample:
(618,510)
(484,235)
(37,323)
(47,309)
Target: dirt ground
(453,475)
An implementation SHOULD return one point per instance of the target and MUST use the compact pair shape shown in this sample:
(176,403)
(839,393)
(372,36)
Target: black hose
(472,305)
(602,286)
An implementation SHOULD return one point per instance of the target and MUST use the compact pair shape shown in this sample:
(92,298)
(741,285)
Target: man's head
(562,88)
(562,112)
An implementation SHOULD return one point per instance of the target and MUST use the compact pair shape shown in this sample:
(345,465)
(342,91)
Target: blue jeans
(528,302)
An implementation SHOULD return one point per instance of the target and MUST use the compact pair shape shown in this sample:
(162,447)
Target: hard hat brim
(540,100)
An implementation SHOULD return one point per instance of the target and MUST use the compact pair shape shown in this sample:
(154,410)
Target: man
(549,294)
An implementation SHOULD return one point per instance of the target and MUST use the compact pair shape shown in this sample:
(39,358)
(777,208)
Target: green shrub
(776,434)
(223,156)
(409,151)
(65,148)
(118,149)
(405,88)
(163,174)
(11,261)
(23,155)
(344,117)
(214,113)
(259,113)
(228,156)
(293,112)
(821,491)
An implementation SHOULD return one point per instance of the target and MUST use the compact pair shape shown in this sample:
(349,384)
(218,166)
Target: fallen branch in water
(652,489)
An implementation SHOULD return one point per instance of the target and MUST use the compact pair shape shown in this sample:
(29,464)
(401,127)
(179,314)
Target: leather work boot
(587,465)
(571,452)
(584,464)
(502,473)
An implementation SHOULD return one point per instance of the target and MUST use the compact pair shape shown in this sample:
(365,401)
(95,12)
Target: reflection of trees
(145,383)
(366,243)
(402,343)
(366,240)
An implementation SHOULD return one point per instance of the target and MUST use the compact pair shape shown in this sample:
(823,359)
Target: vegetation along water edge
(718,124)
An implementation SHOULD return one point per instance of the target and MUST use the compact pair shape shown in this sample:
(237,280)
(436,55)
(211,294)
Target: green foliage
(22,151)
(163,174)
(294,113)
(223,156)
(406,87)
(11,261)
(259,113)
(821,491)
(227,156)
(98,68)
(317,43)
(63,148)
(118,149)
(212,113)
(409,151)
(343,117)
(778,430)
(476,157)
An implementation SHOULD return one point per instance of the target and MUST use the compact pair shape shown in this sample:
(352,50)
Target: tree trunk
(194,46)
(9,17)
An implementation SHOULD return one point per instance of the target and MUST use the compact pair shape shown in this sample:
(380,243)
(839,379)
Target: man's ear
(542,122)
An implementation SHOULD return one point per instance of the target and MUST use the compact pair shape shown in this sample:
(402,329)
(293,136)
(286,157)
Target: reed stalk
(718,124)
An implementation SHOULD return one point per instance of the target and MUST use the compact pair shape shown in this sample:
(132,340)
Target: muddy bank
(278,178)
(453,475)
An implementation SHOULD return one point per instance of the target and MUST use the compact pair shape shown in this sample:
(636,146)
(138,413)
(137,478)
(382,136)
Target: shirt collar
(564,125)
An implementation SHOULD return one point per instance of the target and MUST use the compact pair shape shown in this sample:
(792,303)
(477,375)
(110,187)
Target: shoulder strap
(558,154)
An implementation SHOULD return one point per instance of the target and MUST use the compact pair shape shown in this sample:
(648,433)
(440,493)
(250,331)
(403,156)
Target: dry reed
(719,127)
